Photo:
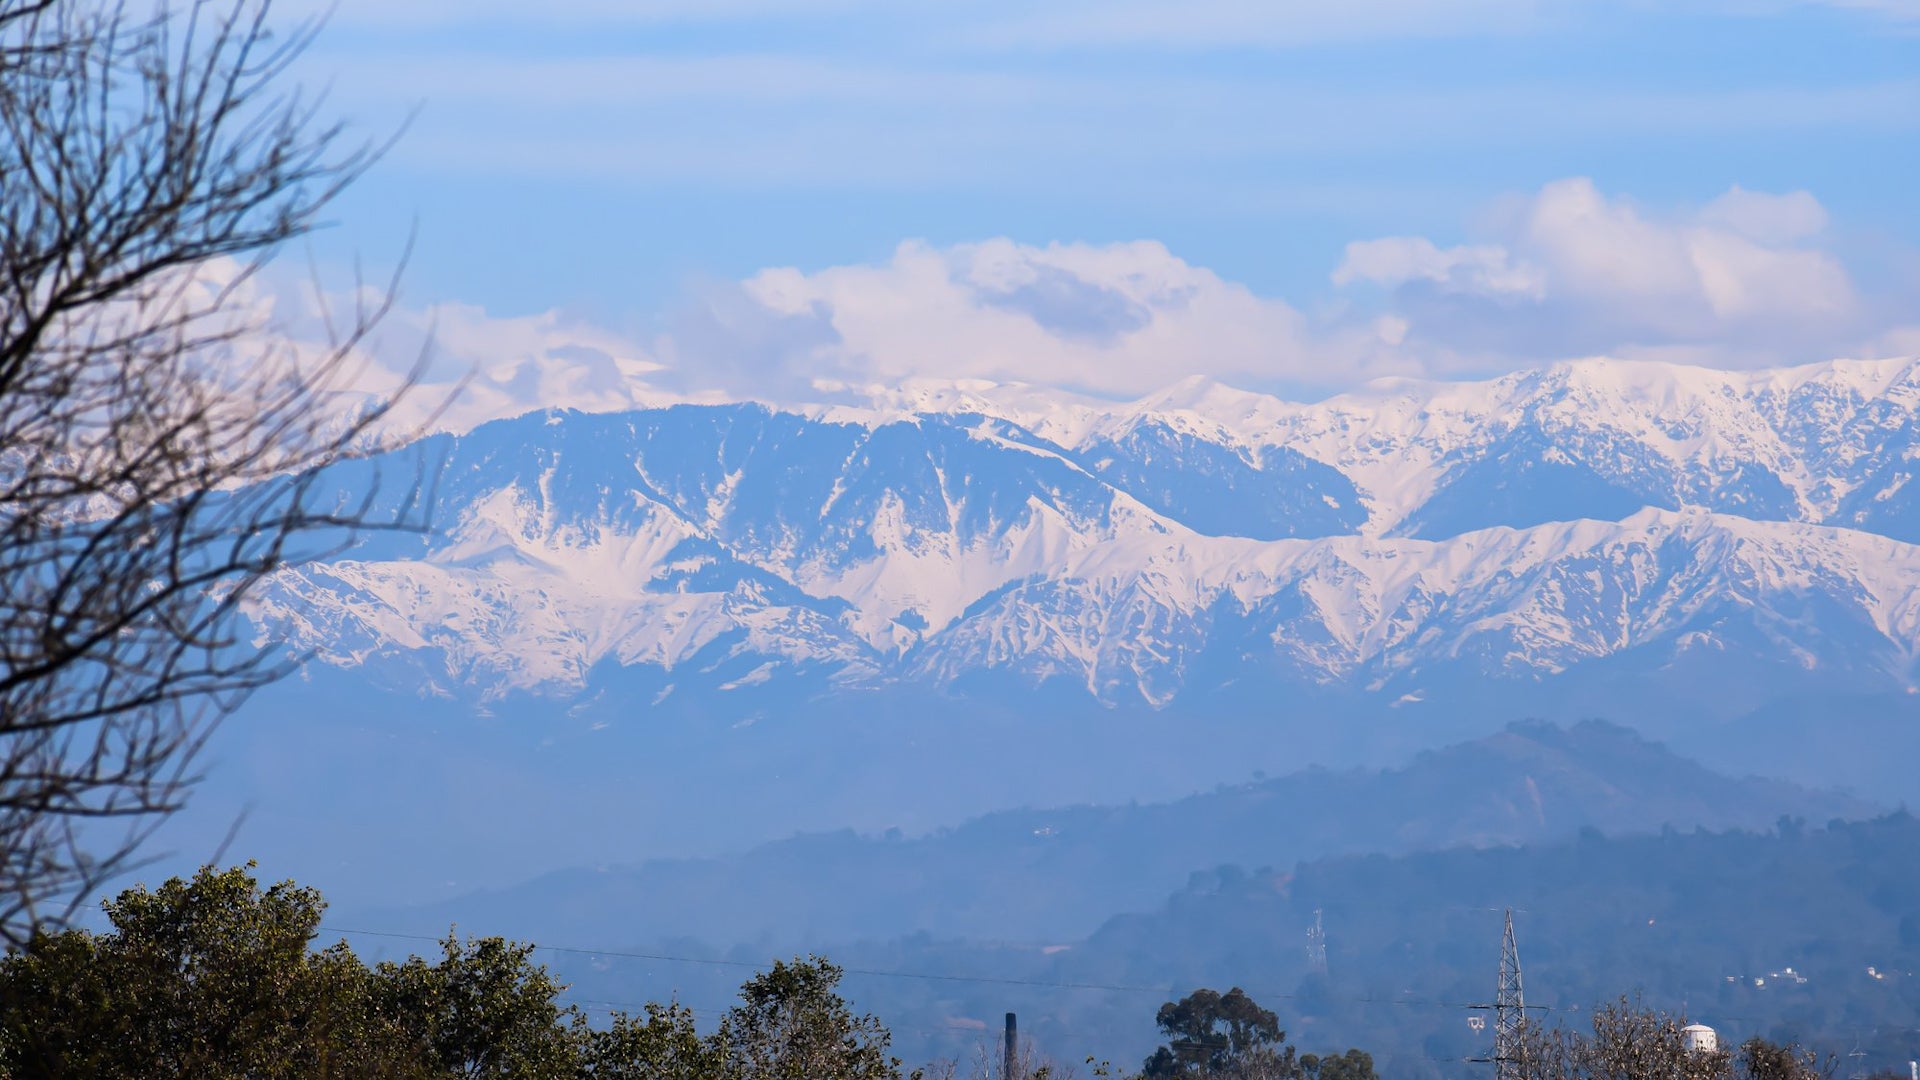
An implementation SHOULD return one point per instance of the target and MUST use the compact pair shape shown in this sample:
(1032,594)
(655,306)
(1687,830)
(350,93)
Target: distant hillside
(1054,874)
(685,631)
(1810,932)
(1807,932)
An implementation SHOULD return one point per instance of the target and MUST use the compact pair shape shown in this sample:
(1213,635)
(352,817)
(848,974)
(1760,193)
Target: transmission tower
(1509,1013)
(1317,945)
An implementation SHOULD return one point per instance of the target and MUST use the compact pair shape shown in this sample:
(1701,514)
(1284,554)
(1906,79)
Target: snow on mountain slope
(1828,442)
(1517,529)
(647,538)
(1130,605)
(1131,617)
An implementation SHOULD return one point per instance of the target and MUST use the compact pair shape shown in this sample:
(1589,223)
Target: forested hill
(1806,932)
(1053,874)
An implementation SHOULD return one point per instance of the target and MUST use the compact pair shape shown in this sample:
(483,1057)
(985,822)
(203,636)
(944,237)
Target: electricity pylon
(1317,945)
(1509,1013)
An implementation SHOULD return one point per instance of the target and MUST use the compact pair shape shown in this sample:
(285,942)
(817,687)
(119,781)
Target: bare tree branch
(158,459)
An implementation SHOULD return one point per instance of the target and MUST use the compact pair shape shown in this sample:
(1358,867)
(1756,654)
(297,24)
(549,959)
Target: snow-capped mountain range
(1633,521)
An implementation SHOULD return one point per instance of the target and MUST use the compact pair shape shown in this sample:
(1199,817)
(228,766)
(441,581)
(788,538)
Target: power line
(871,972)
(989,980)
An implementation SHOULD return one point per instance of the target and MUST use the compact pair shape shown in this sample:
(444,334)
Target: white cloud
(1694,274)
(1770,219)
(1898,341)
(1740,282)
(1117,319)
(1592,273)
(1595,246)
(1395,260)
(1120,318)
(1567,271)
(498,366)
(1742,279)
(469,366)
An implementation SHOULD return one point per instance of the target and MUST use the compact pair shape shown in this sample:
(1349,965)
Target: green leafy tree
(213,977)
(792,1024)
(485,1011)
(1352,1065)
(216,977)
(1220,1035)
(666,1045)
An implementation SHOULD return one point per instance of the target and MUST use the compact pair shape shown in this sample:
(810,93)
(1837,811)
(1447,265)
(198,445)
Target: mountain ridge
(1055,872)
(950,544)
(1624,539)
(1419,428)
(840,619)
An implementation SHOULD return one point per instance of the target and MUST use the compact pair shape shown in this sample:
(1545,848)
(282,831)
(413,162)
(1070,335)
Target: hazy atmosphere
(771,538)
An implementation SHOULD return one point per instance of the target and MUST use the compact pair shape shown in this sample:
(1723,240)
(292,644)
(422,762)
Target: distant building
(1699,1039)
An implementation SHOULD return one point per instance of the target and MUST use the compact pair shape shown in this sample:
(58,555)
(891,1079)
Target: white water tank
(1699,1039)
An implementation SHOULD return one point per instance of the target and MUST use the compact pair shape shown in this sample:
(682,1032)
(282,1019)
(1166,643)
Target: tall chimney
(1013,1041)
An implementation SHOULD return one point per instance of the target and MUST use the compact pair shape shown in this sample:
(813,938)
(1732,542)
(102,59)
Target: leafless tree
(157,458)
(1762,1059)
(988,1062)
(1626,1042)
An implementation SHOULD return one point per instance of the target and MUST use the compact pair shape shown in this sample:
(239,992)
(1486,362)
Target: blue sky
(1555,174)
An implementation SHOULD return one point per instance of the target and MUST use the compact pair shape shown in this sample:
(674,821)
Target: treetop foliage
(220,977)
(217,977)
(1210,1034)
(1627,1041)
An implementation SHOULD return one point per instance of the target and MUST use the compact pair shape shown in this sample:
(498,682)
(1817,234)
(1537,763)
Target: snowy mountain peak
(1637,518)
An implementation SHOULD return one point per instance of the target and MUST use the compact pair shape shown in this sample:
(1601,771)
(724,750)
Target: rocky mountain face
(1632,525)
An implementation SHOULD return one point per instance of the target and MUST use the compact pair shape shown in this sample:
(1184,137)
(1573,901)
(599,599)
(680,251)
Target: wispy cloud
(1383,105)
(764,120)
(1258,134)
(1240,24)
(417,14)
(1164,24)
(1903,10)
